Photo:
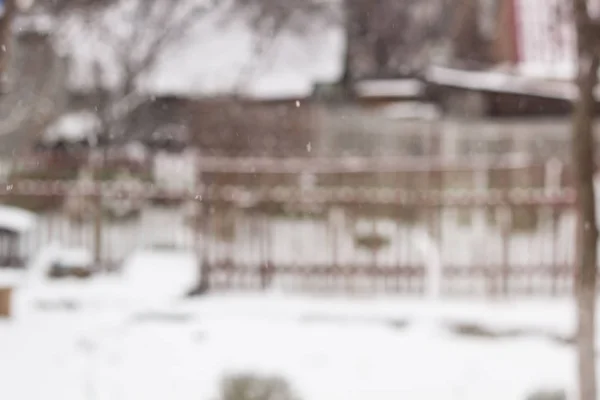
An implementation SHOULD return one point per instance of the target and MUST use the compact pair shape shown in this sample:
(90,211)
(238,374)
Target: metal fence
(346,225)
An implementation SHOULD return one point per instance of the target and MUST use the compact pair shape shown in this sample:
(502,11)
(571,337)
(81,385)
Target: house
(534,63)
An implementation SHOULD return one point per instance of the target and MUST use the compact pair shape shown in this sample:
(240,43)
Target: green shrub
(255,387)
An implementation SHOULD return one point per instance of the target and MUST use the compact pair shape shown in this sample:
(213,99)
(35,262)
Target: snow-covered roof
(503,82)
(16,219)
(74,126)
(213,58)
(389,88)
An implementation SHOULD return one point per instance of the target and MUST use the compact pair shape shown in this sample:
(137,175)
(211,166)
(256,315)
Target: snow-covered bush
(255,387)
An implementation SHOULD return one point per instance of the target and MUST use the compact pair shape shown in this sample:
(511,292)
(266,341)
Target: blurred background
(356,148)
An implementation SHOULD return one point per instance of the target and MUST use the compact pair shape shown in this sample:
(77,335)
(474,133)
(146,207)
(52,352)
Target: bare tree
(470,47)
(32,76)
(127,40)
(584,167)
(131,37)
(391,37)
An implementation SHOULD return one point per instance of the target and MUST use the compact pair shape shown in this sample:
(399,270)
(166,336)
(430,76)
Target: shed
(16,225)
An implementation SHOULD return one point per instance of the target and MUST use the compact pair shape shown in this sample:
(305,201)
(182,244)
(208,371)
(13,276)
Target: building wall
(358,132)
(504,43)
(236,127)
(546,38)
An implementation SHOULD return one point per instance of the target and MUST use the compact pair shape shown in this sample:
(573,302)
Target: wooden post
(5,301)
(552,184)
(98,230)
(202,226)
(505,221)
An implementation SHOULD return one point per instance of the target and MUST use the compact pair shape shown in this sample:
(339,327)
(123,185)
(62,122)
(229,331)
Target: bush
(548,394)
(372,242)
(254,387)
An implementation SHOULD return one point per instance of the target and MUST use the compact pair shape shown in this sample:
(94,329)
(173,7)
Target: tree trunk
(5,36)
(587,231)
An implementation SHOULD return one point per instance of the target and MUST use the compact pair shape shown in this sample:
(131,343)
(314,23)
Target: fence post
(98,229)
(505,226)
(5,301)
(552,183)
(201,230)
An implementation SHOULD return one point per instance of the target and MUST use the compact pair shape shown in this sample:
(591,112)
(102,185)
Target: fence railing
(517,241)
(496,236)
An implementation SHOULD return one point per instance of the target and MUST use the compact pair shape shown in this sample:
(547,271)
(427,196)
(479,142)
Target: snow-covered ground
(135,337)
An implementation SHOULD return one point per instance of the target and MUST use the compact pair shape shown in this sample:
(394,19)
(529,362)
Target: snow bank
(160,276)
(106,356)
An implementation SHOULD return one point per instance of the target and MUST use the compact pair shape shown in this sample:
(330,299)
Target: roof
(213,58)
(16,219)
(504,82)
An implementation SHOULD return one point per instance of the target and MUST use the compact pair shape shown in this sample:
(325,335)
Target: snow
(327,348)
(104,339)
(74,126)
(74,257)
(16,219)
(503,82)
(216,56)
(158,276)
(390,88)
(11,278)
